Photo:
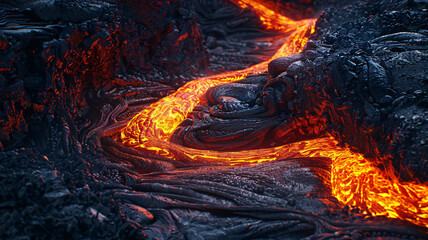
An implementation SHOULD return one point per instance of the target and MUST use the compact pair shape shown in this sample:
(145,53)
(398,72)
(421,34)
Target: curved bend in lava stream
(253,123)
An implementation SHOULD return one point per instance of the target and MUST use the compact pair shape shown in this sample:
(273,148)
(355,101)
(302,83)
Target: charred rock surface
(234,37)
(51,196)
(52,50)
(376,68)
(374,75)
(186,200)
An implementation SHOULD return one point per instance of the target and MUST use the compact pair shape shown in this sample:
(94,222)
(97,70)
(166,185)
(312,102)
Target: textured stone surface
(74,71)
(52,50)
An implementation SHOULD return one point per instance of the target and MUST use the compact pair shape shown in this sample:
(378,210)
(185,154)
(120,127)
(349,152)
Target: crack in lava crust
(354,180)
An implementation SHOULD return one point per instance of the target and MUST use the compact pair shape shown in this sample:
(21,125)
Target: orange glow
(354,180)
(271,19)
(161,118)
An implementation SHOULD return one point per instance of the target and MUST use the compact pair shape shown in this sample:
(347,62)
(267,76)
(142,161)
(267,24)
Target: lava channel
(354,180)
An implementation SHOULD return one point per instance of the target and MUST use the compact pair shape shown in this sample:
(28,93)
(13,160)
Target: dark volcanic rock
(234,37)
(65,80)
(373,74)
(51,50)
(47,197)
(279,65)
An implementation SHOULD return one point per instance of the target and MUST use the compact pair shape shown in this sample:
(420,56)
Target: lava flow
(354,180)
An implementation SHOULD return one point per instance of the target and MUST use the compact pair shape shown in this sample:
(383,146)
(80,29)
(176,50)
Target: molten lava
(271,19)
(354,180)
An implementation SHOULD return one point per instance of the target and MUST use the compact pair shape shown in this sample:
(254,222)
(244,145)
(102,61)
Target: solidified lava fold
(197,119)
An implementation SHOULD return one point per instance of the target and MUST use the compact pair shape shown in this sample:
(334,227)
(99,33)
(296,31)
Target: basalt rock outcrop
(371,71)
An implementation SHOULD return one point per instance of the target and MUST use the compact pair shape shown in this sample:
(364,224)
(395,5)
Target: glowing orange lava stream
(354,180)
